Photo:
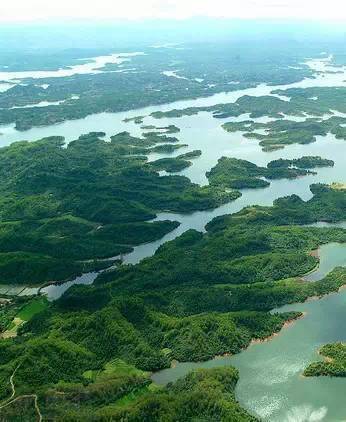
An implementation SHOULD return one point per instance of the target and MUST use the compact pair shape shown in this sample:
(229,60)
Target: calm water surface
(331,256)
(270,384)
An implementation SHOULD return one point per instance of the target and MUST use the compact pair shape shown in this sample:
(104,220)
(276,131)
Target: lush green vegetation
(35,306)
(175,164)
(171,165)
(238,174)
(15,311)
(160,129)
(334,364)
(285,132)
(191,154)
(64,209)
(303,162)
(199,296)
(121,393)
(9,308)
(167,148)
(302,103)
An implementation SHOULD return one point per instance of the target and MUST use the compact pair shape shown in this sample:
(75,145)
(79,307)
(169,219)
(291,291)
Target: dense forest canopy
(198,296)
(82,204)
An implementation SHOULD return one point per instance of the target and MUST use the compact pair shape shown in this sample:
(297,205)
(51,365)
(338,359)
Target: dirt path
(12,400)
(37,408)
(12,387)
(34,396)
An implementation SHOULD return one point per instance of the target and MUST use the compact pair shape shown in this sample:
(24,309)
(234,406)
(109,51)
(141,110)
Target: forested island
(239,174)
(333,365)
(199,296)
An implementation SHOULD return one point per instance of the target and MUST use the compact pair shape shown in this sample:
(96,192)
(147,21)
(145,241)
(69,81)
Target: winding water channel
(270,382)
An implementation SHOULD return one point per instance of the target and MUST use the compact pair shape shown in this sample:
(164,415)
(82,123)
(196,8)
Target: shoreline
(254,341)
(324,359)
(313,298)
(286,325)
(315,252)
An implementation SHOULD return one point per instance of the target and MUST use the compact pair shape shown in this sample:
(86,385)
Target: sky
(31,10)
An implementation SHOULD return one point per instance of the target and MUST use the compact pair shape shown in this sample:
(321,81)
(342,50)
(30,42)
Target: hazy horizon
(40,10)
(120,34)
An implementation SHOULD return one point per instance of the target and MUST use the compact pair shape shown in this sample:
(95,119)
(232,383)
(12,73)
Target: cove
(331,255)
(271,385)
